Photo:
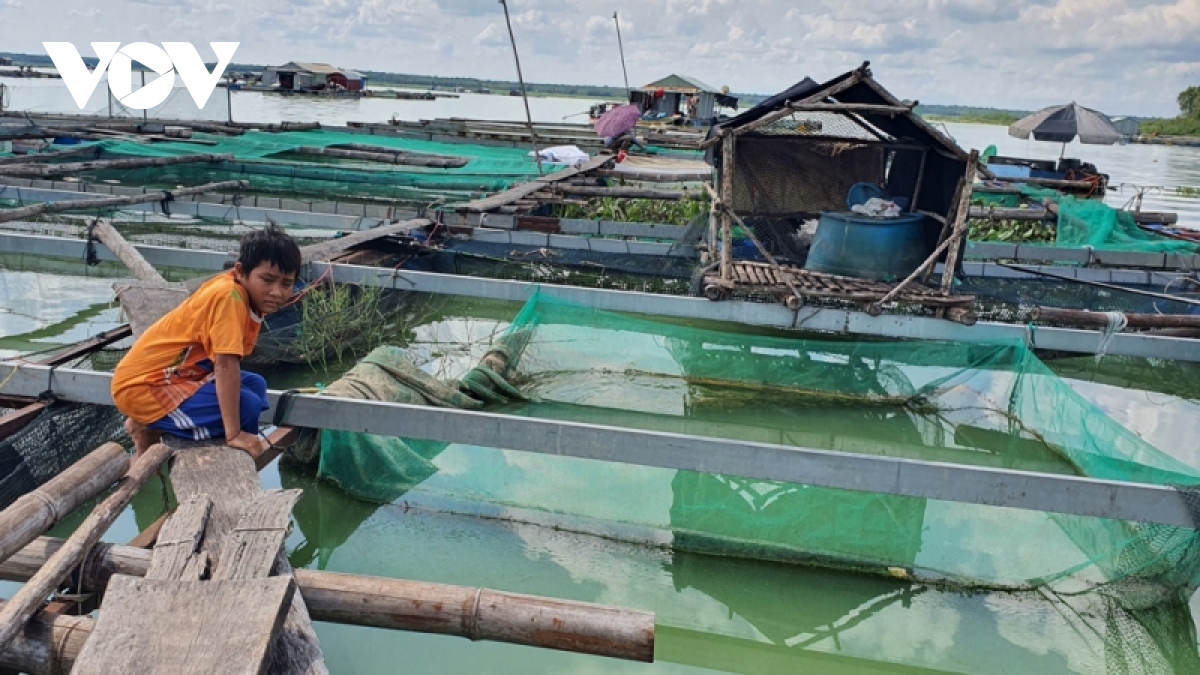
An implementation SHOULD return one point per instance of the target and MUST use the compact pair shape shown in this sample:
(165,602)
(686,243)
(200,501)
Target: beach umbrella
(1062,123)
(618,120)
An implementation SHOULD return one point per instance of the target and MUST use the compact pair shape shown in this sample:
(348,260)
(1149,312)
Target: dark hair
(270,245)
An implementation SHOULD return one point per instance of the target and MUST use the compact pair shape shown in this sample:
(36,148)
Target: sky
(1125,57)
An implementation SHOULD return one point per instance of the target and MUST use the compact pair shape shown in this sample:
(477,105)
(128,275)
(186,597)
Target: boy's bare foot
(142,436)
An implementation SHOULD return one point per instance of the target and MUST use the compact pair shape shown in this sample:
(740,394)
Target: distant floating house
(1128,126)
(298,76)
(669,97)
(5,61)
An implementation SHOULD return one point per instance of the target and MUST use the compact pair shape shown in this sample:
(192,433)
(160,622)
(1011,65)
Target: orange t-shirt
(173,358)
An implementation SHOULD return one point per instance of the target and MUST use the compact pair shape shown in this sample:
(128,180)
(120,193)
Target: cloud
(1003,53)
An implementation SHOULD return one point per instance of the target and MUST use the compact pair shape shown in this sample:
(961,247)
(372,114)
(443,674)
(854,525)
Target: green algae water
(475,522)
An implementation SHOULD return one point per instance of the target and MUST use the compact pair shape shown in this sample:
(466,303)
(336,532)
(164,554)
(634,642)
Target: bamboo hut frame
(864,116)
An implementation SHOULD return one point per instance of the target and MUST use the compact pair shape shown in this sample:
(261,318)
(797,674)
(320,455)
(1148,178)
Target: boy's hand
(249,443)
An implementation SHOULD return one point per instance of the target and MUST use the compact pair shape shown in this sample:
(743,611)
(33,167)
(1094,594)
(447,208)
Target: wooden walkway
(524,190)
(761,278)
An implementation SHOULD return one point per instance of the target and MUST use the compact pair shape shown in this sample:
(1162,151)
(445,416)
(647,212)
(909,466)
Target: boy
(183,376)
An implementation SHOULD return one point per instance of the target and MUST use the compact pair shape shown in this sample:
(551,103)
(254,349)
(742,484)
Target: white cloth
(563,154)
(877,208)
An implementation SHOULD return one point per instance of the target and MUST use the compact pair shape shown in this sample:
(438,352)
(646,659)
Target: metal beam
(773,315)
(159,256)
(867,473)
(894,326)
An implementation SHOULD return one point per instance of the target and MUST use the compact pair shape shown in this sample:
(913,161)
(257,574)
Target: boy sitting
(183,376)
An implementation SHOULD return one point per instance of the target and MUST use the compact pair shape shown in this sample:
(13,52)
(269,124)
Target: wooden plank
(327,249)
(17,420)
(160,626)
(177,552)
(229,478)
(252,547)
(525,189)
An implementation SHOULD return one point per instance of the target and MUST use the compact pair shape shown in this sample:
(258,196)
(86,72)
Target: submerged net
(992,405)
(54,440)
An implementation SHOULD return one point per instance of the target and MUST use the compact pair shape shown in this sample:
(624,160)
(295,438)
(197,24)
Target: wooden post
(958,223)
(784,277)
(1089,319)
(7,215)
(398,604)
(145,111)
(108,235)
(524,96)
(727,159)
(29,599)
(913,206)
(33,514)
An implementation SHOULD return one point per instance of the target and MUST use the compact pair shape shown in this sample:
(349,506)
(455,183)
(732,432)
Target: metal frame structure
(815,319)
(868,473)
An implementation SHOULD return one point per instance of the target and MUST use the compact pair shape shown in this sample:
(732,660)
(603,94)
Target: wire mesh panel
(823,124)
(802,175)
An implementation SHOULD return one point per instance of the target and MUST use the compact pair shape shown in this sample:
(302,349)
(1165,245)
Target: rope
(1031,335)
(472,619)
(1117,322)
(286,399)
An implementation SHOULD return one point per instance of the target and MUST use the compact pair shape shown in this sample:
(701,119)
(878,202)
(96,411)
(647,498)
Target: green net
(269,162)
(1089,222)
(993,405)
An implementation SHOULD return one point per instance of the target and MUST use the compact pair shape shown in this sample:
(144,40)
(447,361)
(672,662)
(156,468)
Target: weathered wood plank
(252,548)
(327,249)
(229,478)
(177,553)
(184,628)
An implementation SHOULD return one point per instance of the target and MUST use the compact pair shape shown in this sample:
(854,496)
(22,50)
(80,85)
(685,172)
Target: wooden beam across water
(399,604)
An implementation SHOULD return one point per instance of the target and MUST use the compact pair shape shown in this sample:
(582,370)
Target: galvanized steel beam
(868,473)
(773,315)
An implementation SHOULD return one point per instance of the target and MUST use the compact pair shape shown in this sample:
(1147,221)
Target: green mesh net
(1089,222)
(992,405)
(267,161)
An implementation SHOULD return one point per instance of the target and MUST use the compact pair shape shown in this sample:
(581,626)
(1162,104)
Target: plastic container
(861,193)
(849,244)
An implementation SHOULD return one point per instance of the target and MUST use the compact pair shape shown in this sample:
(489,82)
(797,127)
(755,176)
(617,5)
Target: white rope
(1117,321)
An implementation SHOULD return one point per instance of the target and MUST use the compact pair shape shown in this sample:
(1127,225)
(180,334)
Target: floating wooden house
(305,77)
(668,98)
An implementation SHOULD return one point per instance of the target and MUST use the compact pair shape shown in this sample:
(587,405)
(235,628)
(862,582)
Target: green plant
(1014,231)
(337,320)
(1185,191)
(635,210)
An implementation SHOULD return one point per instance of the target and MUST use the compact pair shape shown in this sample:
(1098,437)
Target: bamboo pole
(408,159)
(1100,284)
(958,223)
(398,604)
(100,164)
(537,155)
(127,254)
(621,46)
(629,193)
(49,156)
(29,598)
(36,512)
(23,212)
(1083,317)
(851,107)
(727,159)
(48,645)
(655,176)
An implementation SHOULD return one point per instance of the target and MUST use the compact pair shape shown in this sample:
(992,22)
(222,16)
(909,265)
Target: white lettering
(173,57)
(74,72)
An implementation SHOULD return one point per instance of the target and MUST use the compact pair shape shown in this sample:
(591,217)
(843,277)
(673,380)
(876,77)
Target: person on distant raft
(183,376)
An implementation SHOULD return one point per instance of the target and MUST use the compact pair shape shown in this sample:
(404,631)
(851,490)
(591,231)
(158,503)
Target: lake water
(1155,169)
(714,613)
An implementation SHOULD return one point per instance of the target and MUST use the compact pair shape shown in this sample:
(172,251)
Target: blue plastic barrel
(854,245)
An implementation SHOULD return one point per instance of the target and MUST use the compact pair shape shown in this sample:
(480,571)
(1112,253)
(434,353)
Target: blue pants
(199,417)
